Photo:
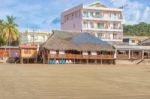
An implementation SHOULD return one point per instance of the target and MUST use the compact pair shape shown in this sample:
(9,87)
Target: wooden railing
(123,57)
(146,57)
(126,57)
(79,56)
(136,57)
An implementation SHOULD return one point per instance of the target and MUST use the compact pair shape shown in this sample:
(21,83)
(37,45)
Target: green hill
(141,29)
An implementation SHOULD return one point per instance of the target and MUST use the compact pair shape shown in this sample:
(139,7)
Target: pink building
(105,23)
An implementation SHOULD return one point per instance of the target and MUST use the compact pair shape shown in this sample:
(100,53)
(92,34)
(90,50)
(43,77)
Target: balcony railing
(103,29)
(123,57)
(126,57)
(78,56)
(146,57)
(103,19)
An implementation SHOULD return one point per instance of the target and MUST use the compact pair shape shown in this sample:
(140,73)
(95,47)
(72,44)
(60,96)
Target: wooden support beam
(142,54)
(21,60)
(115,55)
(101,61)
(129,54)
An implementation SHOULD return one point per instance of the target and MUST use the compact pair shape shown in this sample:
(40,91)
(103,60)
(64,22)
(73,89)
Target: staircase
(144,62)
(137,62)
(140,61)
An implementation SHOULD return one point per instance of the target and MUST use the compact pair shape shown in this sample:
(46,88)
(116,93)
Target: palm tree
(1,31)
(10,32)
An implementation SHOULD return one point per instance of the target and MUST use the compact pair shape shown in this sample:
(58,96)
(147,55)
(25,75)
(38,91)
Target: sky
(44,15)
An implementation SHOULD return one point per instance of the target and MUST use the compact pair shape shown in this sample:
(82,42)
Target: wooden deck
(76,56)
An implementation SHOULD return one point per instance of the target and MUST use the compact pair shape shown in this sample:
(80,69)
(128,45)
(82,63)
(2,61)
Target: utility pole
(33,36)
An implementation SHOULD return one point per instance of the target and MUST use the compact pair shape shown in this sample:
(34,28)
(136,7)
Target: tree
(1,26)
(10,31)
(141,29)
(1,31)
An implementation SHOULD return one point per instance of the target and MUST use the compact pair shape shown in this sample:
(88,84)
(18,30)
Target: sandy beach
(74,81)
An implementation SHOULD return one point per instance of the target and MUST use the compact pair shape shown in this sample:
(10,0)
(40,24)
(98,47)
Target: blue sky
(45,14)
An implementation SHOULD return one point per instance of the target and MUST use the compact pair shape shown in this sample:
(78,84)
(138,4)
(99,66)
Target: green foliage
(8,31)
(141,29)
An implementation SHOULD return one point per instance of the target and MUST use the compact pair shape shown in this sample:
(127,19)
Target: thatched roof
(61,40)
(115,43)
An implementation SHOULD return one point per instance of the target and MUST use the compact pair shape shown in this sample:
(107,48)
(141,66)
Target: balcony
(122,57)
(79,56)
(102,19)
(126,57)
(104,29)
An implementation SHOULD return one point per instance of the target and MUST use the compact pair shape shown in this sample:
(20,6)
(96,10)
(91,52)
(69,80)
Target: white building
(134,40)
(36,38)
(105,23)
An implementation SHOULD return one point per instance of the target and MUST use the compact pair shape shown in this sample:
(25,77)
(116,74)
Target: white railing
(102,19)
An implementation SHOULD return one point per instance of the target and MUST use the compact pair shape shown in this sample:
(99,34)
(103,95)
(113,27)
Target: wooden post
(21,60)
(148,55)
(81,57)
(129,54)
(36,59)
(28,60)
(142,54)
(115,55)
(74,59)
(46,61)
(101,61)
(95,61)
(43,57)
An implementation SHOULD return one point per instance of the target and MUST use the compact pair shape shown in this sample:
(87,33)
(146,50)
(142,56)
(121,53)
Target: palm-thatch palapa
(76,47)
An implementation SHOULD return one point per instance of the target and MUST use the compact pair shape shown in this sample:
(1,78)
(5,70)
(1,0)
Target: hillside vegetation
(141,29)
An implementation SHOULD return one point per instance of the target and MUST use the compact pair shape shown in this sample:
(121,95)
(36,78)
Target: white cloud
(146,15)
(134,11)
(119,3)
(42,12)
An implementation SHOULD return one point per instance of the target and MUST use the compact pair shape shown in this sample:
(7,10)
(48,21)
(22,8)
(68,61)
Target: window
(98,15)
(85,24)
(91,25)
(76,14)
(27,51)
(115,15)
(108,36)
(133,41)
(85,14)
(66,18)
(100,25)
(91,14)
(101,35)
(115,26)
(114,36)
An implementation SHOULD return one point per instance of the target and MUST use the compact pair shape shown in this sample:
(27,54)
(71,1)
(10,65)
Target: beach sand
(74,81)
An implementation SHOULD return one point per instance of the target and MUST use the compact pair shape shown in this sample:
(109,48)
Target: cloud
(45,14)
(146,15)
(118,3)
(56,21)
(135,11)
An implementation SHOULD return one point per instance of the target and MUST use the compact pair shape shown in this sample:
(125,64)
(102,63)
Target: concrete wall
(71,20)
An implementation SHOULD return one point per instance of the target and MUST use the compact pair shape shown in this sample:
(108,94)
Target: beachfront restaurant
(127,52)
(76,48)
